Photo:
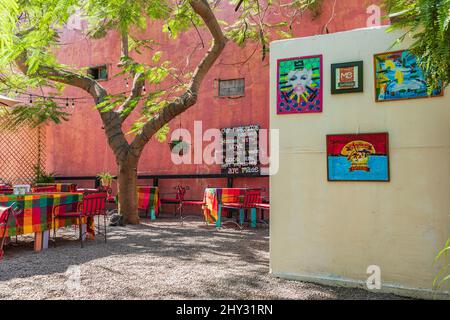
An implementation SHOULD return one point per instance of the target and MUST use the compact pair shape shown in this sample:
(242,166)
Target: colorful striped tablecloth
(60,187)
(213,196)
(37,212)
(148,200)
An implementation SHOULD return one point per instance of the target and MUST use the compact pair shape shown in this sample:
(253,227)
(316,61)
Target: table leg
(253,217)
(38,239)
(83,231)
(45,238)
(152,214)
(219,216)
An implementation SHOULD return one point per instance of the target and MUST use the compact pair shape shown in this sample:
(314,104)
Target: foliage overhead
(428,23)
(30,29)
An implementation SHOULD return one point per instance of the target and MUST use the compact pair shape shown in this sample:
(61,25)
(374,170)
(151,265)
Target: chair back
(94,203)
(4,214)
(44,189)
(181,192)
(251,197)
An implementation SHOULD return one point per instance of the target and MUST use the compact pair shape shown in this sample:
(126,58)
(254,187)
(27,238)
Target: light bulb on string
(126,82)
(143,88)
(31,99)
(73,103)
(67,102)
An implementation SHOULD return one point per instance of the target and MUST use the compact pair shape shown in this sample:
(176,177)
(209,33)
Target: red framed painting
(358,157)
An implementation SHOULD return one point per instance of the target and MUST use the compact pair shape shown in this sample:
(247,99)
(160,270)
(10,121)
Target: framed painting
(398,76)
(347,77)
(299,85)
(358,157)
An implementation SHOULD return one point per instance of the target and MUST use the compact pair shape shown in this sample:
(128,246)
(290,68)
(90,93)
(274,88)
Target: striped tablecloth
(148,200)
(213,196)
(37,212)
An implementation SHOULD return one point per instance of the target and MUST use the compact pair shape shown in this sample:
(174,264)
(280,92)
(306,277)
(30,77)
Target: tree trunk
(127,184)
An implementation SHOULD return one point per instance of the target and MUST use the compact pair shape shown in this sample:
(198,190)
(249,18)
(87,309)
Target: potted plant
(106,179)
(181,149)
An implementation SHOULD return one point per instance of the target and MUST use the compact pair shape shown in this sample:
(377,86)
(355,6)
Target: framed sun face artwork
(358,157)
(347,77)
(398,76)
(299,85)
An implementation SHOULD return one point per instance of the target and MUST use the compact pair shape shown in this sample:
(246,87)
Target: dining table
(214,198)
(36,215)
(148,200)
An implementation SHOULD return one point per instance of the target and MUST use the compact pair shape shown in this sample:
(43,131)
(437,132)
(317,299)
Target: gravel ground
(158,260)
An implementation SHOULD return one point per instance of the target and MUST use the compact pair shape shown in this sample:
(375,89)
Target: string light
(31,99)
(67,102)
(126,82)
(73,103)
(145,91)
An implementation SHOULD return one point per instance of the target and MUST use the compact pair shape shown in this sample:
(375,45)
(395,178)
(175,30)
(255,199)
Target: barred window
(98,72)
(231,88)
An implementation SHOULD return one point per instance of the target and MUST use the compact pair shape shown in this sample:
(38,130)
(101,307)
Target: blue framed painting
(398,76)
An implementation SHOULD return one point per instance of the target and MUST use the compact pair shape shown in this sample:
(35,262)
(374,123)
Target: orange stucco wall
(79,147)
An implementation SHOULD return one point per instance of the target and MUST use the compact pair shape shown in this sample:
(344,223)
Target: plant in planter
(106,179)
(43,177)
(178,146)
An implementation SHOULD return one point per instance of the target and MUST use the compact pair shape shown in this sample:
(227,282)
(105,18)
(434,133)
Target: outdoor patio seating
(248,201)
(5,213)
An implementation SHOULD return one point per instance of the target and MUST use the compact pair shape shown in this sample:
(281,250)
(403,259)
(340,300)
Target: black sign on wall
(241,150)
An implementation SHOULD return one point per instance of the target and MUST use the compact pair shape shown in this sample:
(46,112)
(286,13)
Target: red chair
(249,200)
(59,212)
(5,213)
(94,204)
(43,189)
(6,189)
(177,199)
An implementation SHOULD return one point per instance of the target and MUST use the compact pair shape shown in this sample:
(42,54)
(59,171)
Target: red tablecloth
(38,209)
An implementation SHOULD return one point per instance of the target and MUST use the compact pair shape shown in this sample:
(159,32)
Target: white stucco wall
(331,232)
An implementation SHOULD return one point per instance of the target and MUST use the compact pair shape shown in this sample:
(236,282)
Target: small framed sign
(347,77)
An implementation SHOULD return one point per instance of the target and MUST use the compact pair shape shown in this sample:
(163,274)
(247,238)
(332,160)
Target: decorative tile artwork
(299,83)
(358,157)
(398,76)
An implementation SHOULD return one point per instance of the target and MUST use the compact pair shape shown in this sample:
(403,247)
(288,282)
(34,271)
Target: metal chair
(94,204)
(177,200)
(59,212)
(5,213)
(249,199)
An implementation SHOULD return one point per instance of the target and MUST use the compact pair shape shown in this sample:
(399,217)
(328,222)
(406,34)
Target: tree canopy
(427,22)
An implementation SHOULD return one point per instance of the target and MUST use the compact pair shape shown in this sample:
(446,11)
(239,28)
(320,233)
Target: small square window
(98,72)
(231,88)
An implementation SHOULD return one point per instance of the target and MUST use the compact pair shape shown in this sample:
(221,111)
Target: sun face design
(299,85)
(300,80)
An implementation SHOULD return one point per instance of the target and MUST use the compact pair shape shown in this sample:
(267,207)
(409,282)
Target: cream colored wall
(331,232)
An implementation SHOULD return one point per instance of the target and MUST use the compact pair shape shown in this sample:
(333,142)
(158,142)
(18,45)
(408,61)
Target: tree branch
(132,101)
(188,98)
(110,119)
